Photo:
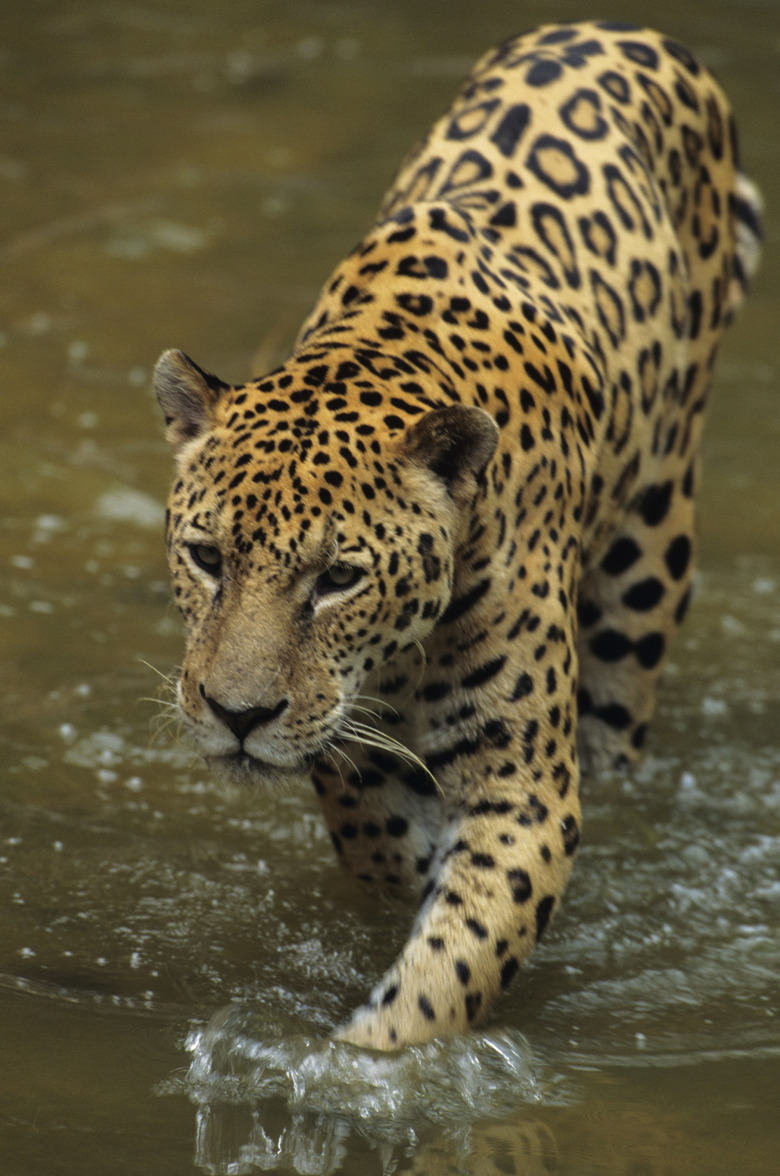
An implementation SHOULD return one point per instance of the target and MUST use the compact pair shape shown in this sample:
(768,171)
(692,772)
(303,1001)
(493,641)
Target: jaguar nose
(243,722)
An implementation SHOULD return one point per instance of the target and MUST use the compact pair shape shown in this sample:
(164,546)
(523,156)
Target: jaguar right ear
(187,395)
(453,442)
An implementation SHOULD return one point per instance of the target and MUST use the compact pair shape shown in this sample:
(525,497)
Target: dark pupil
(341,575)
(206,557)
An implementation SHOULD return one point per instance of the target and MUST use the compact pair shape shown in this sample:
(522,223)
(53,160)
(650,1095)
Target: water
(171,957)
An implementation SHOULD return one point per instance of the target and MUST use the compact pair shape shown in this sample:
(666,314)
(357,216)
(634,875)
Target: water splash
(279,1099)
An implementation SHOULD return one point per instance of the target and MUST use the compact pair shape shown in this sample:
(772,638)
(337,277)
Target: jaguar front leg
(383,816)
(509,833)
(496,882)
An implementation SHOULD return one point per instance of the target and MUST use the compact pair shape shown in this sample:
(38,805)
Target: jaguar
(435,560)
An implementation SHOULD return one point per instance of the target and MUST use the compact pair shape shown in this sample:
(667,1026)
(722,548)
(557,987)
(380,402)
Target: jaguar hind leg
(629,605)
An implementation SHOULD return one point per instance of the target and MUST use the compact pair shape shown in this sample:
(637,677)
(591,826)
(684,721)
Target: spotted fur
(435,560)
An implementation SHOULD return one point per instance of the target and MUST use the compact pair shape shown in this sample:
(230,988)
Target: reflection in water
(291,1102)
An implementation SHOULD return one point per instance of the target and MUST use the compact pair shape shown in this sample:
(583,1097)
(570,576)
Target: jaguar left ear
(187,395)
(453,442)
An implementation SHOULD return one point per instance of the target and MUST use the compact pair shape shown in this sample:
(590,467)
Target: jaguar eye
(207,558)
(338,577)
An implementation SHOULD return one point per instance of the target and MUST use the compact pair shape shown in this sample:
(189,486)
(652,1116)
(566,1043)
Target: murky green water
(171,959)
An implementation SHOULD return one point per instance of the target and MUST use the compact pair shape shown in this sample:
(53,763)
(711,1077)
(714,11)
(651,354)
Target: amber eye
(338,577)
(207,558)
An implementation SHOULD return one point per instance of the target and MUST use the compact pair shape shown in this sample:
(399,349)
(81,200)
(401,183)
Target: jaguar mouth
(245,770)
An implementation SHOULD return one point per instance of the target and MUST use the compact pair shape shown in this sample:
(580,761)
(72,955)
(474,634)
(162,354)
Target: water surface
(172,958)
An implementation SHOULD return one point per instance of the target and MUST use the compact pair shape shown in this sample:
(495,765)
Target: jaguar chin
(245,771)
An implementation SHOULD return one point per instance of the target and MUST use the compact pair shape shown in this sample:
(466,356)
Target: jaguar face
(301,574)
